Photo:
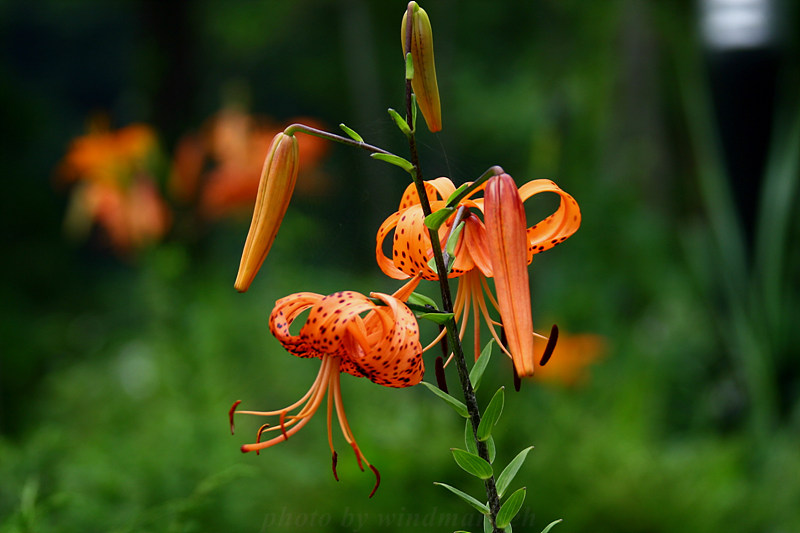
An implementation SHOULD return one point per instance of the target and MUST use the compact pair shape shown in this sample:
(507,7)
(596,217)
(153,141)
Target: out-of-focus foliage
(116,375)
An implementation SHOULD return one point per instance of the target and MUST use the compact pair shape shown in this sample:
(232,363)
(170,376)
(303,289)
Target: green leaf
(409,67)
(438,217)
(487,524)
(459,407)
(482,507)
(352,134)
(394,160)
(413,112)
(551,524)
(456,195)
(490,447)
(469,439)
(472,463)
(508,529)
(420,299)
(507,475)
(491,415)
(479,367)
(510,509)
(452,240)
(438,318)
(400,121)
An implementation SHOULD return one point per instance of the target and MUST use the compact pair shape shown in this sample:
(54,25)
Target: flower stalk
(470,399)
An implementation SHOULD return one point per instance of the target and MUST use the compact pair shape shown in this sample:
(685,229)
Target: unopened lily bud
(424,80)
(507,241)
(274,192)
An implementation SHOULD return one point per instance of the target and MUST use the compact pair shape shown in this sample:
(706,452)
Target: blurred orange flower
(114,188)
(569,362)
(221,166)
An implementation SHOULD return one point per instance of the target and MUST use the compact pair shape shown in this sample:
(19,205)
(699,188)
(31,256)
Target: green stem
(302,128)
(470,399)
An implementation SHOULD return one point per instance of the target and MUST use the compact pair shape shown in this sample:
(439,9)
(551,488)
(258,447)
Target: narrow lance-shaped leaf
(400,121)
(351,133)
(491,415)
(507,475)
(438,217)
(469,438)
(510,509)
(491,449)
(472,463)
(481,507)
(420,299)
(437,318)
(459,407)
(551,524)
(394,160)
(479,368)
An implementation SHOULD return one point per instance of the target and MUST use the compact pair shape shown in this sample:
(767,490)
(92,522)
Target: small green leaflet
(482,507)
(490,447)
(551,524)
(491,415)
(352,134)
(472,464)
(438,217)
(478,369)
(456,197)
(469,439)
(452,240)
(394,160)
(459,407)
(510,509)
(420,299)
(400,121)
(437,318)
(409,67)
(507,475)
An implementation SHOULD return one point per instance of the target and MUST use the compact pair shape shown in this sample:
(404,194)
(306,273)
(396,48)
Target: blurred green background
(116,374)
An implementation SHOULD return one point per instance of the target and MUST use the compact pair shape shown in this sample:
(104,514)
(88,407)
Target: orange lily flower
(474,260)
(382,346)
(274,192)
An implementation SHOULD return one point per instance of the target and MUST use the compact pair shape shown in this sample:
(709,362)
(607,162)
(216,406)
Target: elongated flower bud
(424,80)
(508,249)
(274,192)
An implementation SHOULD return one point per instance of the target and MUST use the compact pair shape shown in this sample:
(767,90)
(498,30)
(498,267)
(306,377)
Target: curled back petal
(557,227)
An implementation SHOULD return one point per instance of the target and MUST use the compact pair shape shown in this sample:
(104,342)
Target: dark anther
(334,460)
(517,380)
(551,345)
(258,435)
(377,480)
(232,411)
(441,379)
(283,426)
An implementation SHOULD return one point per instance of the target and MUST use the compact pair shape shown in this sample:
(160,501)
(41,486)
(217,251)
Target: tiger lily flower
(424,81)
(382,346)
(475,257)
(274,192)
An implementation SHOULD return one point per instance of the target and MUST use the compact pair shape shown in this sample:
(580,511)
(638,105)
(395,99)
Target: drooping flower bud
(274,192)
(424,80)
(508,249)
